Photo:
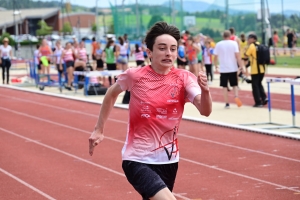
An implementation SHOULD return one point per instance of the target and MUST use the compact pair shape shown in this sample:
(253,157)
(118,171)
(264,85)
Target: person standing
(158,94)
(290,37)
(110,54)
(68,56)
(276,39)
(227,54)
(257,73)
(207,61)
(5,61)
(192,50)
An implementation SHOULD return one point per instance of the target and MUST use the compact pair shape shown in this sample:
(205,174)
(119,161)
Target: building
(25,21)
(81,22)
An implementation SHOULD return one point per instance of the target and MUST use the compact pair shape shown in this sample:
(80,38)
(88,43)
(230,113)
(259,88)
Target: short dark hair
(252,36)
(231,30)
(187,32)
(93,39)
(158,29)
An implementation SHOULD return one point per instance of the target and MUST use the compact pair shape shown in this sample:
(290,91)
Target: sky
(275,5)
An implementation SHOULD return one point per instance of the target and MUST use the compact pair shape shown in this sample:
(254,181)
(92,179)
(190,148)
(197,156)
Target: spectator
(5,61)
(257,73)
(227,53)
(207,61)
(290,37)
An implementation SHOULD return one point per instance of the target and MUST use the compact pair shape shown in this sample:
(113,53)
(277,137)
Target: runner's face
(164,51)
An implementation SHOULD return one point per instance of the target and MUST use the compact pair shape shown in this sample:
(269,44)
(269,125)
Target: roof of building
(76,14)
(7,16)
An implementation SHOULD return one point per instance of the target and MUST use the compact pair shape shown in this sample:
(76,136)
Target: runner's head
(242,37)
(226,35)
(82,44)
(44,42)
(162,42)
(68,45)
(207,44)
(275,32)
(252,38)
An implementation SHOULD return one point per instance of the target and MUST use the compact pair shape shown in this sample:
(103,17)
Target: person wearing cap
(5,61)
(257,73)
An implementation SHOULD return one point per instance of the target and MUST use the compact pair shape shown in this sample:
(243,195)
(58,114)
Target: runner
(68,57)
(123,57)
(5,61)
(181,60)
(207,61)
(227,53)
(139,56)
(158,94)
(192,50)
(110,54)
(257,73)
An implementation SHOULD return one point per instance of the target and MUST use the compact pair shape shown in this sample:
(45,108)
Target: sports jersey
(68,55)
(191,53)
(155,110)
(45,50)
(57,54)
(5,51)
(251,53)
(139,55)
(82,54)
(207,58)
(110,56)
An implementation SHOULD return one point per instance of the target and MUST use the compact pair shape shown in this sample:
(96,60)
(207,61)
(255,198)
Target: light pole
(96,19)
(137,17)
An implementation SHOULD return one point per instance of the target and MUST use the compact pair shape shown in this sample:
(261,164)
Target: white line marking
(240,175)
(183,135)
(73,156)
(26,184)
(237,147)
(204,121)
(188,160)
(56,123)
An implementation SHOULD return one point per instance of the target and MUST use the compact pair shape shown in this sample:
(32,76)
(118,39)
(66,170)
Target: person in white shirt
(5,61)
(227,53)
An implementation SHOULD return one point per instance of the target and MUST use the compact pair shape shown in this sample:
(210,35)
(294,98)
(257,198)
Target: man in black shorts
(227,54)
(158,94)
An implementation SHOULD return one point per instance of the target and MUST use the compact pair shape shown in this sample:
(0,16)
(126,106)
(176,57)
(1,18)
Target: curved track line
(185,159)
(26,184)
(73,156)
(183,135)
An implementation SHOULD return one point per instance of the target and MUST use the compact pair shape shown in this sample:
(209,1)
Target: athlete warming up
(158,94)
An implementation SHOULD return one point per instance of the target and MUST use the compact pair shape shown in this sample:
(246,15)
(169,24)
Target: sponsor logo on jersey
(161,116)
(145,116)
(161,111)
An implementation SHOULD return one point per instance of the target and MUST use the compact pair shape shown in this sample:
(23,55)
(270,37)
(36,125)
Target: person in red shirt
(158,94)
(276,39)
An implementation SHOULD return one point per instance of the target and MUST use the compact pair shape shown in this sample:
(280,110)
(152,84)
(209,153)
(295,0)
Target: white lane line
(188,160)
(73,156)
(56,123)
(183,135)
(237,147)
(240,175)
(26,184)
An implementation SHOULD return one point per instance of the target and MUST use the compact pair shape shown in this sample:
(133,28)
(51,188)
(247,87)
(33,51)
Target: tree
(11,41)
(44,28)
(94,28)
(67,29)
(154,19)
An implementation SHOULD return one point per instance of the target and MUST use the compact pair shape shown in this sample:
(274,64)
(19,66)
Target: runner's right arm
(107,105)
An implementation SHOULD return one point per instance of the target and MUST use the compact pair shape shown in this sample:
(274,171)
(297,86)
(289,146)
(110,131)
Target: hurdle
(88,74)
(292,82)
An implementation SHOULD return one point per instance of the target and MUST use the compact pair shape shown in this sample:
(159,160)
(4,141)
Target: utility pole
(226,15)
(137,18)
(173,14)
(16,28)
(263,21)
(96,19)
(282,17)
(181,15)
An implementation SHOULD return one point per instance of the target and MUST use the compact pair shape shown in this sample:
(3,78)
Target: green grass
(287,61)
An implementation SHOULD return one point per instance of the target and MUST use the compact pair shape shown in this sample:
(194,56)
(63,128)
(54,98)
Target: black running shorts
(149,179)
(231,77)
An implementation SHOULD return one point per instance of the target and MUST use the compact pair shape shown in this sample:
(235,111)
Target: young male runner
(158,94)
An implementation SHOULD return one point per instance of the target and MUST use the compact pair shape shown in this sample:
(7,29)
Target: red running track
(44,143)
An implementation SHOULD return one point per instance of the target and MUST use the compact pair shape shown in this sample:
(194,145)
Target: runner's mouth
(167,61)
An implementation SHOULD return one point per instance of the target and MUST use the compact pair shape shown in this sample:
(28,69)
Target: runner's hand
(96,137)
(202,81)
